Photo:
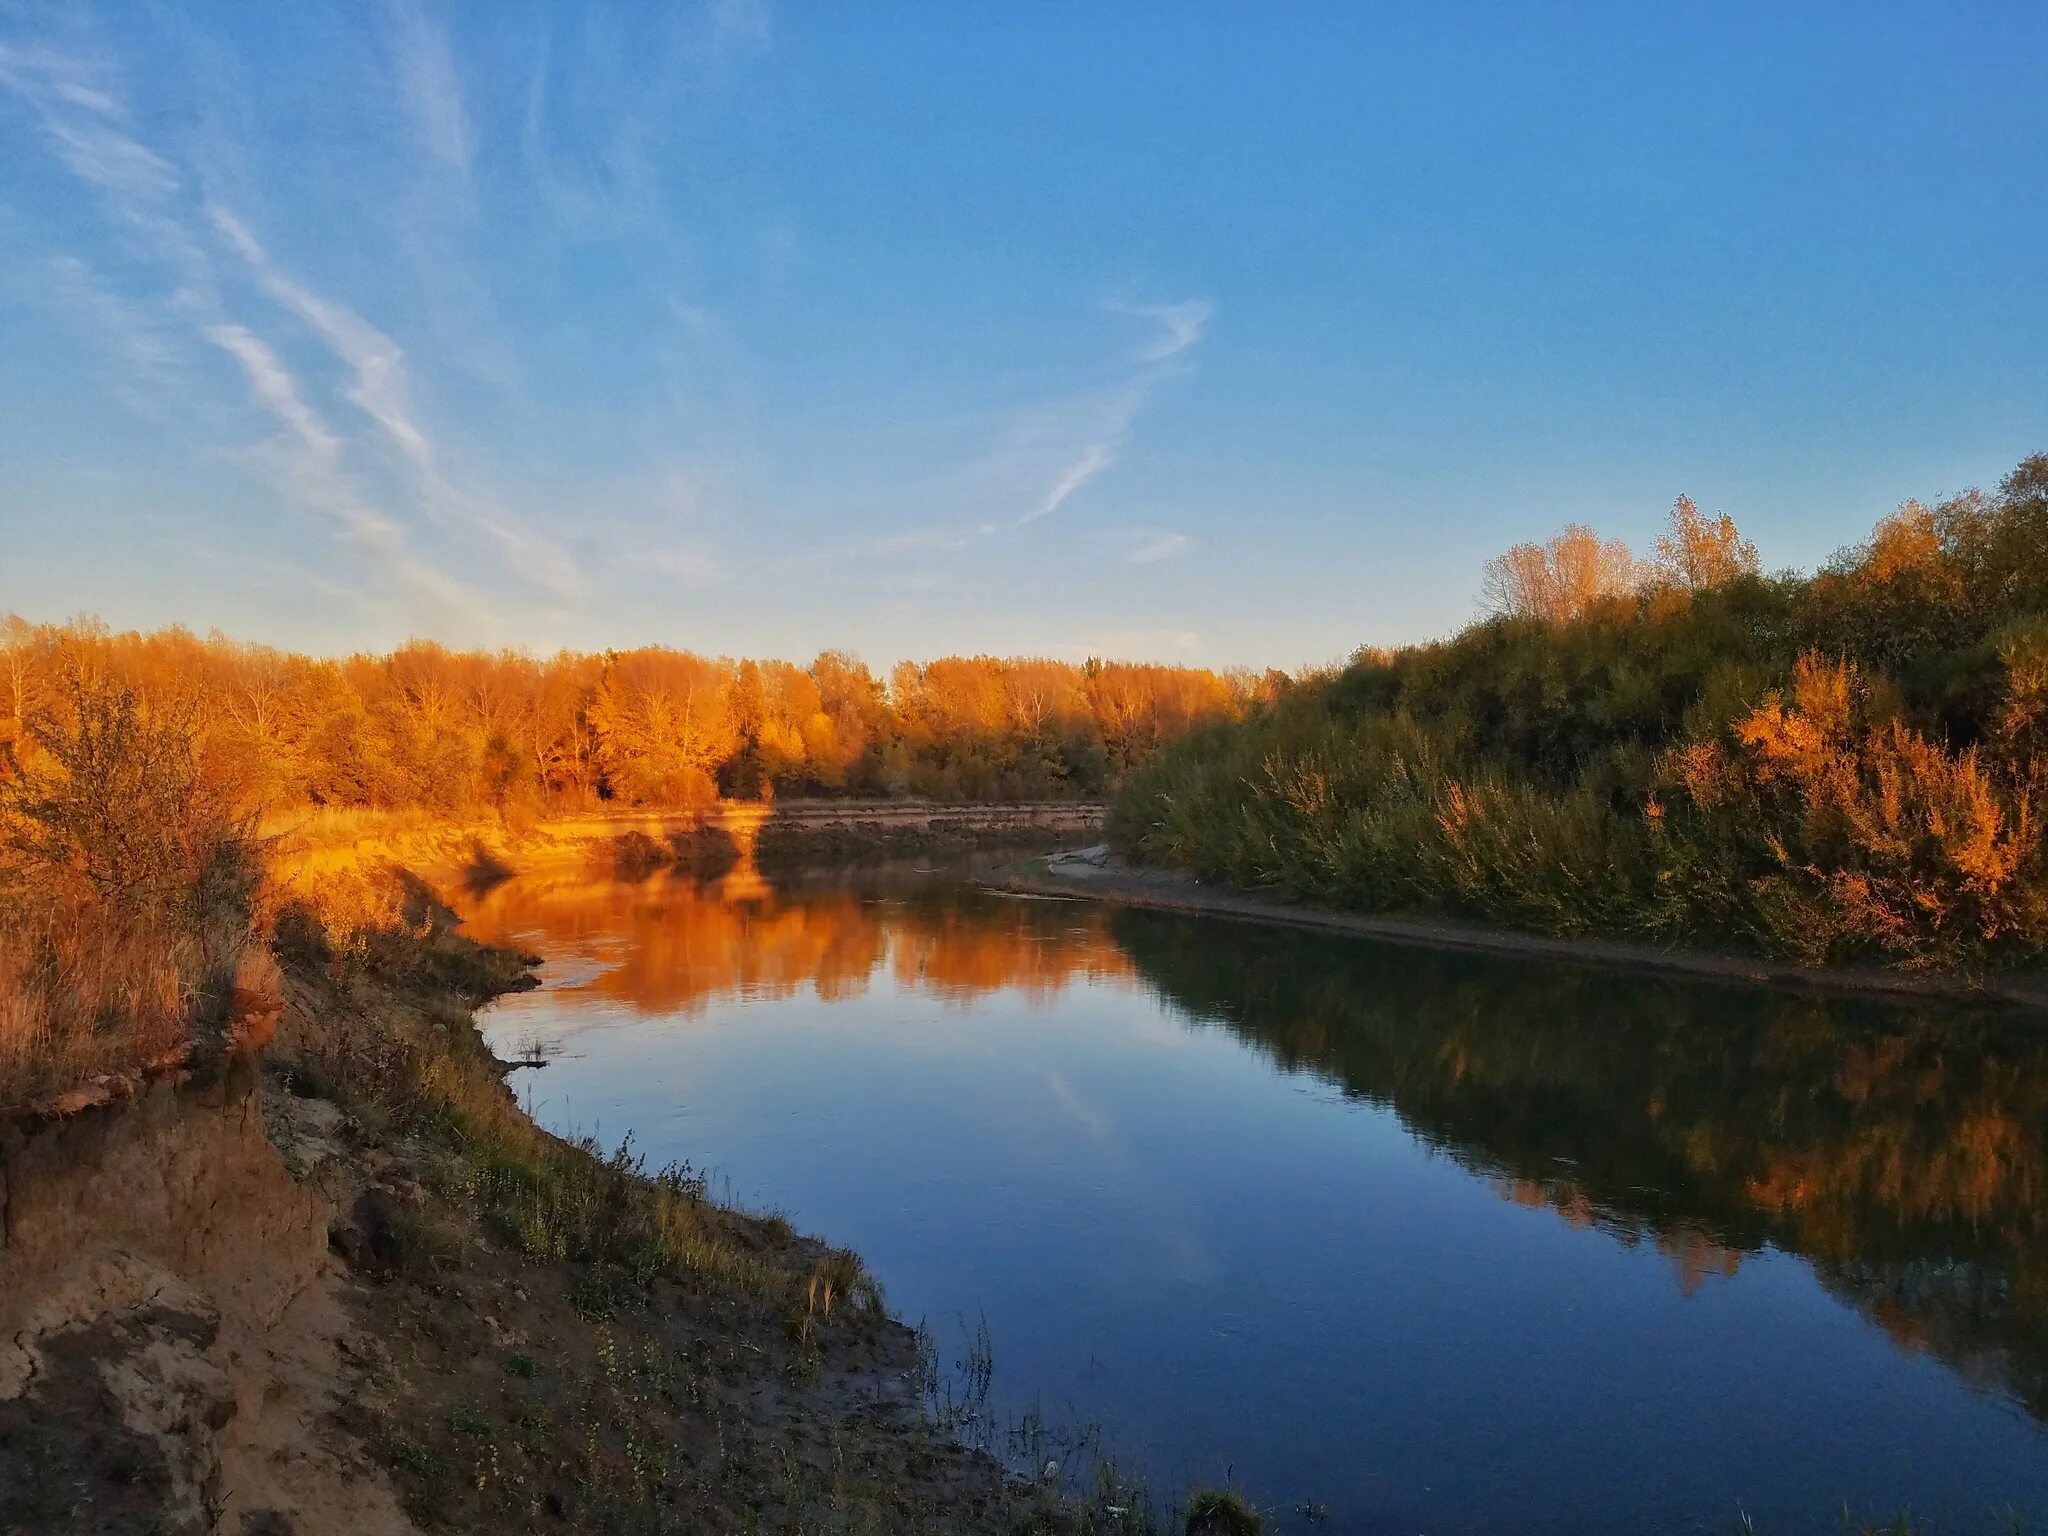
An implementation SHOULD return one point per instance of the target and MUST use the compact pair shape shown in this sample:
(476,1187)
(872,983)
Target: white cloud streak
(79,113)
(927,541)
(1094,459)
(276,390)
(1159,547)
(1181,327)
(374,360)
(311,471)
(686,568)
(78,105)
(431,87)
(1108,419)
(378,387)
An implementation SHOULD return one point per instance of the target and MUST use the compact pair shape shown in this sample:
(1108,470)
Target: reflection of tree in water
(679,944)
(1902,1151)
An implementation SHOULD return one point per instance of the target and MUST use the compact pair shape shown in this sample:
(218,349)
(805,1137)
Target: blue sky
(1205,333)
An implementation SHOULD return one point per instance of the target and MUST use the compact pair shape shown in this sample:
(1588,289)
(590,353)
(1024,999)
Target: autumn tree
(123,803)
(1700,552)
(22,660)
(855,718)
(416,702)
(1561,580)
(1137,706)
(780,716)
(560,742)
(663,722)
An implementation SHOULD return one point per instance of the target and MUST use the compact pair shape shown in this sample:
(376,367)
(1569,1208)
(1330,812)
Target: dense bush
(127,892)
(1838,767)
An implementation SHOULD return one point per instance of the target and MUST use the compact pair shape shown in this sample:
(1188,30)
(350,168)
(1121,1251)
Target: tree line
(1845,765)
(452,732)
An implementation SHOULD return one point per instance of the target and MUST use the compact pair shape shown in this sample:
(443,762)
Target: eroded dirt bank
(341,845)
(355,1289)
(173,1333)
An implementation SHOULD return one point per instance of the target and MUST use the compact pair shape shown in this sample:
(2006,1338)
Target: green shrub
(1845,767)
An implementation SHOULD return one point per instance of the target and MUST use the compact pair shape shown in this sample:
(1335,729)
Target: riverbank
(319,846)
(1095,874)
(350,1286)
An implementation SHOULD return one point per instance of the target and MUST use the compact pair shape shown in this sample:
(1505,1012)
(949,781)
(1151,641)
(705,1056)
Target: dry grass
(330,825)
(86,993)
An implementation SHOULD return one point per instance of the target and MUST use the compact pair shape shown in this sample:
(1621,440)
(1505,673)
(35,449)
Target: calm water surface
(1440,1243)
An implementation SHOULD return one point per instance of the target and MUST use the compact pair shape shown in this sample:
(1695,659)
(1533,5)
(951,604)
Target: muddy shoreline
(1092,875)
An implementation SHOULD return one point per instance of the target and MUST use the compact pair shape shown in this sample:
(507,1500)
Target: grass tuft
(1221,1512)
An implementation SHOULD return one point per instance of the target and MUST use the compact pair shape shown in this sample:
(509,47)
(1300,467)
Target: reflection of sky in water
(1499,1248)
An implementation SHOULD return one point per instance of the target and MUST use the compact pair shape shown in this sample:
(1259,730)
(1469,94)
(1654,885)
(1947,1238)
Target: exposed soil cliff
(172,1335)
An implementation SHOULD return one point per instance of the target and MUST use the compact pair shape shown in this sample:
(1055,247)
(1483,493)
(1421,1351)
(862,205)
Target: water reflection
(675,944)
(1902,1151)
(1259,1199)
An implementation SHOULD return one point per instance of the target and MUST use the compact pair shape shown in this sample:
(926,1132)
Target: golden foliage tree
(1560,580)
(1700,552)
(663,722)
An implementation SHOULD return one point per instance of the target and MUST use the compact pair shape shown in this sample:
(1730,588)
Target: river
(1394,1240)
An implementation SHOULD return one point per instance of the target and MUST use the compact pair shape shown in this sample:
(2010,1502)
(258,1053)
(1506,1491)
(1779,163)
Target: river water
(1396,1241)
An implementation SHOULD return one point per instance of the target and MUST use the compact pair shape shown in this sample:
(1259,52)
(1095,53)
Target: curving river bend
(1432,1243)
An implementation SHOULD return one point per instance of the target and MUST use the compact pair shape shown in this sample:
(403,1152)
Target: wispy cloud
(741,26)
(310,471)
(686,568)
(135,341)
(448,600)
(79,110)
(1157,547)
(1055,448)
(309,311)
(430,85)
(924,542)
(276,390)
(1101,422)
(378,387)
(1094,459)
(78,103)
(594,98)
(1180,328)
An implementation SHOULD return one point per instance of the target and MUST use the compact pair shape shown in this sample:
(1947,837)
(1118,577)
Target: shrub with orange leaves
(1868,837)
